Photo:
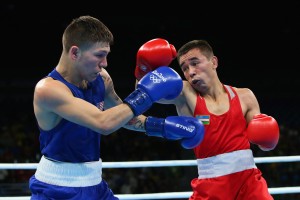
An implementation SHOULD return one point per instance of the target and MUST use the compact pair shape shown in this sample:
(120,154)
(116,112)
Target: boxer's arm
(136,124)
(262,130)
(111,98)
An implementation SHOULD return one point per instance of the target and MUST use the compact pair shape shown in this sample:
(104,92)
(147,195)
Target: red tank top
(223,133)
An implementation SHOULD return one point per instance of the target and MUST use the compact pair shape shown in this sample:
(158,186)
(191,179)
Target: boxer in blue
(76,103)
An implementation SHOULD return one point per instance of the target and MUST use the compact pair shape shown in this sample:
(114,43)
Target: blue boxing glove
(187,129)
(162,83)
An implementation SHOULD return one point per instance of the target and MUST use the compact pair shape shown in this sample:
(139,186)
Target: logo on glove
(159,75)
(189,129)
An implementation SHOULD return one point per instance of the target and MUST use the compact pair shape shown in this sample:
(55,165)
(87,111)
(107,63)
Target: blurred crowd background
(258,47)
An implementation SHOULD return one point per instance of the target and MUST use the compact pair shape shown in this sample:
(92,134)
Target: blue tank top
(70,142)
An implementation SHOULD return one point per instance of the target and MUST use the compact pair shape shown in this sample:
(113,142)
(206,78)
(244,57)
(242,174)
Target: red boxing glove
(263,130)
(153,54)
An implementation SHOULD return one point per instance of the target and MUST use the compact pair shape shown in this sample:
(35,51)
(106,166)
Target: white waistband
(226,163)
(69,174)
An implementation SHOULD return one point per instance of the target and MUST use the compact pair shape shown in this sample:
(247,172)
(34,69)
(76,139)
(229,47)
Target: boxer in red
(232,120)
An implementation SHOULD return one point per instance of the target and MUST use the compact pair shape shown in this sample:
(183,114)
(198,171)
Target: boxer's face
(195,67)
(91,61)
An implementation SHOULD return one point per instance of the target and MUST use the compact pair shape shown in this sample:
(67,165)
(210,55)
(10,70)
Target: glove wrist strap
(154,126)
(139,102)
